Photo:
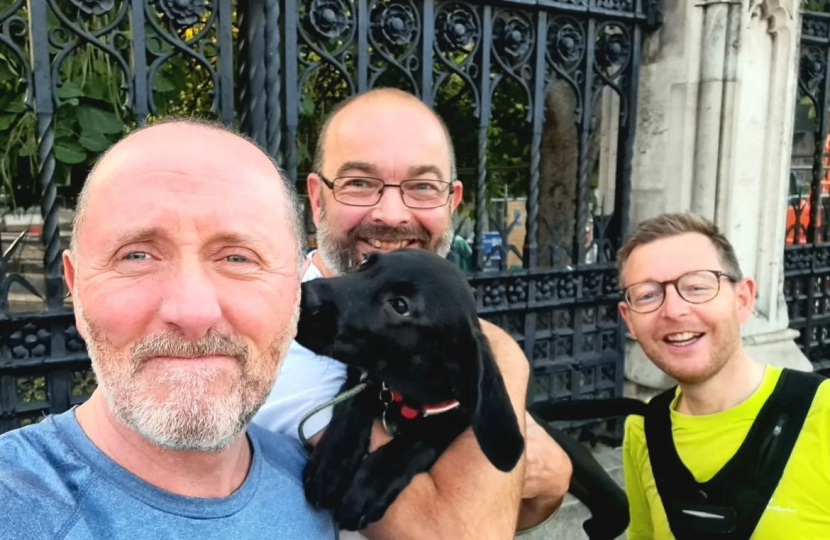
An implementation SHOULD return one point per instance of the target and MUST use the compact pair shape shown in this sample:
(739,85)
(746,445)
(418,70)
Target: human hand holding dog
(547,476)
(547,473)
(463,497)
(379,436)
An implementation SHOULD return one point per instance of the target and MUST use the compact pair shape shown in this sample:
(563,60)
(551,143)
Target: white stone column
(717,99)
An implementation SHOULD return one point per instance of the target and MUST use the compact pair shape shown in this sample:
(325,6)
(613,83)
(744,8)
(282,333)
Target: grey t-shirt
(56,484)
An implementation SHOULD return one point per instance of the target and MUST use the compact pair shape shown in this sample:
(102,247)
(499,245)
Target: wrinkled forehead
(670,257)
(217,178)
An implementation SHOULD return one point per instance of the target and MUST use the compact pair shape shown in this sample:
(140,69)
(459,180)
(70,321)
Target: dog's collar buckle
(387,396)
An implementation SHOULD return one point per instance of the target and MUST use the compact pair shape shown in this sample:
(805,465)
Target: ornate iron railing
(543,95)
(807,253)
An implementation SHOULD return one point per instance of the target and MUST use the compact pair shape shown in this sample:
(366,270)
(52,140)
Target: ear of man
(315,195)
(745,293)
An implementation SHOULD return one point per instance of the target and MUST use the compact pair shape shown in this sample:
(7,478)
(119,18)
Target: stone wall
(714,132)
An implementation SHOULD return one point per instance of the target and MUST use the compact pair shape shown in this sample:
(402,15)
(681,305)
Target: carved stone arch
(778,13)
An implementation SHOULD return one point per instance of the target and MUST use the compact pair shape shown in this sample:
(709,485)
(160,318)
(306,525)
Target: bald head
(389,102)
(187,147)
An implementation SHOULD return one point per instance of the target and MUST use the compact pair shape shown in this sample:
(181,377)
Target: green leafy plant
(93,110)
(821,6)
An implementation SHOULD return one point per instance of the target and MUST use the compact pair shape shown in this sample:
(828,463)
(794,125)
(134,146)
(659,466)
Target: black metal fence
(74,74)
(807,253)
(540,96)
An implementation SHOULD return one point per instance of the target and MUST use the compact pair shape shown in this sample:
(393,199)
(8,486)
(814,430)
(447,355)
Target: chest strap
(729,506)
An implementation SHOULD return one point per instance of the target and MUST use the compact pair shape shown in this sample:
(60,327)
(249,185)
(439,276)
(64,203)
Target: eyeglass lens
(694,287)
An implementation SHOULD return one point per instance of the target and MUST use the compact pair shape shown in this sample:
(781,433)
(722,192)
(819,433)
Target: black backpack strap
(688,511)
(730,505)
(769,444)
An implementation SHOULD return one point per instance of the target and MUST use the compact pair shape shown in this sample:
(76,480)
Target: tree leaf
(306,106)
(6,73)
(28,148)
(94,142)
(94,120)
(95,88)
(69,152)
(6,121)
(15,107)
(69,90)
(163,84)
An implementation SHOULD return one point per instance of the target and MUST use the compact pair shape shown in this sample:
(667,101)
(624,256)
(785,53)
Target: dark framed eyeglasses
(697,287)
(367,191)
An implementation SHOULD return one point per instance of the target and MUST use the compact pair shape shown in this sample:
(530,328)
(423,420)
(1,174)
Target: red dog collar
(410,413)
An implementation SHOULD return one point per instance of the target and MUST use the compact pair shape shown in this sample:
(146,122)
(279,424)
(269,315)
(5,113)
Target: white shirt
(304,381)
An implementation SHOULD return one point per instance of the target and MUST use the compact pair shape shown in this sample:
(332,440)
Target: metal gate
(544,93)
(807,250)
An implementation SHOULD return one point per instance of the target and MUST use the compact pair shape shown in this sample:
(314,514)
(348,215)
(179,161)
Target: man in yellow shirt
(684,301)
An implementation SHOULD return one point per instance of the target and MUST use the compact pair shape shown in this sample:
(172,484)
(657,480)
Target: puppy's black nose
(318,317)
(312,297)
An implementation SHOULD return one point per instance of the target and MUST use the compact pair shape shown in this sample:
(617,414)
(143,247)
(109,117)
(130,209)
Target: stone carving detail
(779,13)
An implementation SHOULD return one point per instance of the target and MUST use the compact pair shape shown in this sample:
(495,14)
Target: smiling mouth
(387,245)
(683,339)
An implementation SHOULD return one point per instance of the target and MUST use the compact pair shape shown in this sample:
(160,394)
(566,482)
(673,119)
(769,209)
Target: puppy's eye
(400,306)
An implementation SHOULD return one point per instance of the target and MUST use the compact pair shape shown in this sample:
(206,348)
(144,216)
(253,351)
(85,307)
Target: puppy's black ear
(482,393)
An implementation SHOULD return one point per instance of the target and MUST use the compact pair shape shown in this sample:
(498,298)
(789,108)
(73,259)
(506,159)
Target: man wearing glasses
(734,451)
(383,179)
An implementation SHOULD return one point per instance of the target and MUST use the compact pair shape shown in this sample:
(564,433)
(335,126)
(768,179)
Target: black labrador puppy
(406,324)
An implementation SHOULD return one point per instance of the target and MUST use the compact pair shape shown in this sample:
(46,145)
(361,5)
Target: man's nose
(191,302)
(390,209)
(674,306)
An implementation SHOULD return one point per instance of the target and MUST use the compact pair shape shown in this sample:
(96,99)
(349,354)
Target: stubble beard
(724,346)
(189,407)
(340,253)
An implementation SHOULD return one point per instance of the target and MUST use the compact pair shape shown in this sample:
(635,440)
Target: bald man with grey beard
(183,270)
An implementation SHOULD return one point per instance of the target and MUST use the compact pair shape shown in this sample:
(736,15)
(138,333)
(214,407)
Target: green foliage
(88,119)
(508,133)
(92,109)
(18,145)
(821,6)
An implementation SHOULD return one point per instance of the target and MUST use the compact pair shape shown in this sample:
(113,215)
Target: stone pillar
(714,132)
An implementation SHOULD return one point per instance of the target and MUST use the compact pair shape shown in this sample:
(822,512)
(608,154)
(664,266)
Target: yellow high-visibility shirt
(800,506)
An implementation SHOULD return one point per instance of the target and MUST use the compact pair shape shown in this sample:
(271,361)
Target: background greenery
(93,111)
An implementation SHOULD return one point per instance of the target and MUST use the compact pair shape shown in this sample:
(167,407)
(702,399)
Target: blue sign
(492,256)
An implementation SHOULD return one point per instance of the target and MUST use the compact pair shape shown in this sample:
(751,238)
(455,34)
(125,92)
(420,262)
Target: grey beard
(340,254)
(191,419)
